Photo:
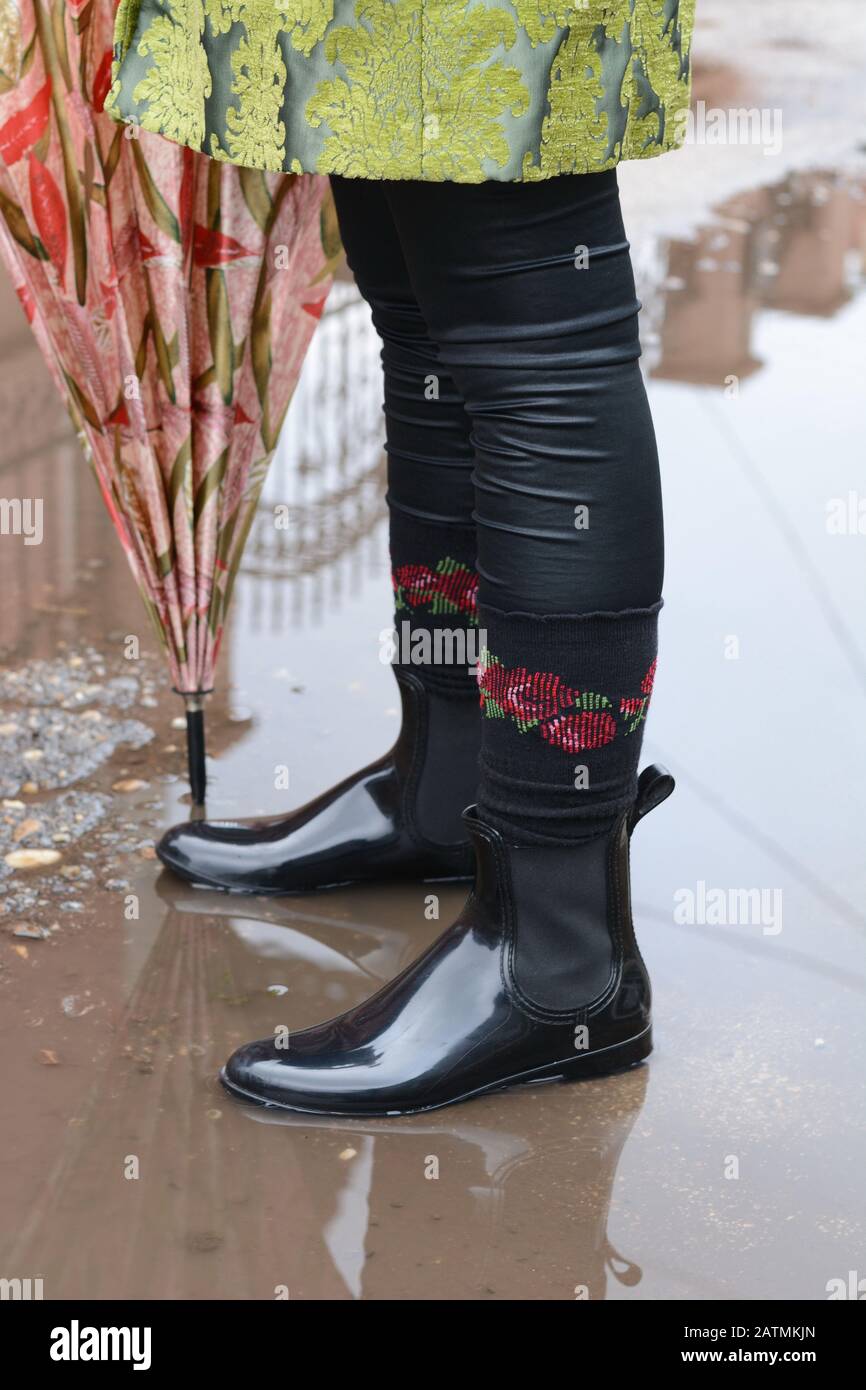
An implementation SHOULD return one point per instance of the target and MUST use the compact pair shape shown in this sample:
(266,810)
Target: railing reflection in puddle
(320,523)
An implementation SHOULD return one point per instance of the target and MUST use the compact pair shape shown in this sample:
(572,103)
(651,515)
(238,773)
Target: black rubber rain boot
(539,979)
(399,818)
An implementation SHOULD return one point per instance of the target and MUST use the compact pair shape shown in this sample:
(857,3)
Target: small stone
(10,805)
(94,715)
(33,755)
(73,1006)
(147,853)
(30,788)
(128,784)
(179,722)
(30,930)
(32,858)
(6,730)
(71,871)
(214,1114)
(26,827)
(48,1058)
(347,1154)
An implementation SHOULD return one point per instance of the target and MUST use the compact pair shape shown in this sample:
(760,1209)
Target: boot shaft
(566,916)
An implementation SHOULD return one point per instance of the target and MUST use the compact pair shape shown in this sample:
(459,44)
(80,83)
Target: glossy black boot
(399,818)
(539,979)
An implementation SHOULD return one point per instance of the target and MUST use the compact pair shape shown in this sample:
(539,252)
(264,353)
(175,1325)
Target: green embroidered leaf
(17,224)
(181,474)
(156,204)
(165,562)
(332,243)
(58,14)
(220,330)
(210,484)
(82,402)
(256,196)
(260,355)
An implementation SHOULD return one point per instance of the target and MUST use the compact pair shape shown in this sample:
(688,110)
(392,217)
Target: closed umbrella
(173,297)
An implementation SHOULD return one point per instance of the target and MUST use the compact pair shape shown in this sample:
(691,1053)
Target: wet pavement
(731,1165)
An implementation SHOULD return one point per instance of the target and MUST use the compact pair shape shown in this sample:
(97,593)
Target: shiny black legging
(523,480)
(513,397)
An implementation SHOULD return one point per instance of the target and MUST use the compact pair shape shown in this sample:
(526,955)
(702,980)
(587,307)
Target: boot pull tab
(654,786)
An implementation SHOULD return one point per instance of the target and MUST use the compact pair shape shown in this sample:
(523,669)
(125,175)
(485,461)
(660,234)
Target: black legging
(539,388)
(523,478)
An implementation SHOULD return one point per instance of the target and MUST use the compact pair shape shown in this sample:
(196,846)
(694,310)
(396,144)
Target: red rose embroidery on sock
(565,717)
(526,695)
(450,588)
(574,732)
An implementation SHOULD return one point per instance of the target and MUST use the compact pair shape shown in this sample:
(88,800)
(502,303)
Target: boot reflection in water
(520,1205)
(477,288)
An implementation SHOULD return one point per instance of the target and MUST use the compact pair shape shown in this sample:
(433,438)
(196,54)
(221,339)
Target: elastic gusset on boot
(564,703)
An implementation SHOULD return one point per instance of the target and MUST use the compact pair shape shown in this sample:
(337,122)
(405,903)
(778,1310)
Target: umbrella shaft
(195,754)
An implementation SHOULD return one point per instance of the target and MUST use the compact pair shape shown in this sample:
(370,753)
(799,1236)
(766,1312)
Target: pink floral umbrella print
(174,298)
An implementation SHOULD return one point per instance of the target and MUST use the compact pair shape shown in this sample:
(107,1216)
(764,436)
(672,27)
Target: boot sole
(299,892)
(616,1058)
(212,885)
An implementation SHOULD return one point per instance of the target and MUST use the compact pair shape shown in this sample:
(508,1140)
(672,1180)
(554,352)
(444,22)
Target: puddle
(731,1166)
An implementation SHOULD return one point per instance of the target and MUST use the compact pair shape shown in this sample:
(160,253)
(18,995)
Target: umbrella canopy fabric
(173,297)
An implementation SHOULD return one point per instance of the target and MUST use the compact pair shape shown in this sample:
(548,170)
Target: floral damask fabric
(462,90)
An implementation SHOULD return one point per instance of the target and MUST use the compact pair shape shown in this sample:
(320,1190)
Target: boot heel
(619,1057)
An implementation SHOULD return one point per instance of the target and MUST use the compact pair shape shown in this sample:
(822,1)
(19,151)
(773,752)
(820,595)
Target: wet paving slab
(730,1166)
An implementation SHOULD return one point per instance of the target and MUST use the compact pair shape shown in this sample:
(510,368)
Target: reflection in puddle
(798,246)
(194,1195)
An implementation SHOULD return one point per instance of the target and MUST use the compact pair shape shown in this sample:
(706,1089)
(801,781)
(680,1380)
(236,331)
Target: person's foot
(399,818)
(539,979)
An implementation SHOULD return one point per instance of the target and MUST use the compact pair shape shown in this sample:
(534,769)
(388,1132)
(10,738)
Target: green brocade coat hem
(457,90)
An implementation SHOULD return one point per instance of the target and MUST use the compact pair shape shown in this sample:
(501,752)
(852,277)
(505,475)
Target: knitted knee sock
(433,571)
(564,702)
